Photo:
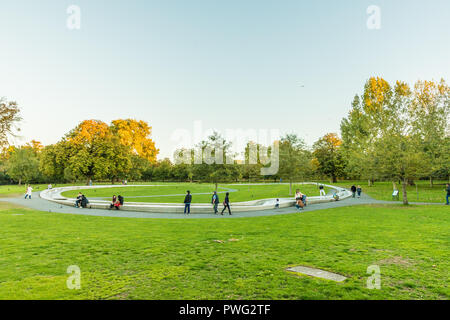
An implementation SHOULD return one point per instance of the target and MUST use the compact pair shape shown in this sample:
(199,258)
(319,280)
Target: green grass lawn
(244,192)
(124,258)
(383,190)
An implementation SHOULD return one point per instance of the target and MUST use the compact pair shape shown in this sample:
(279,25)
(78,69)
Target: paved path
(43,205)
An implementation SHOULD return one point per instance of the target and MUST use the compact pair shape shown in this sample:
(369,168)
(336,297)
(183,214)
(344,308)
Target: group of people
(356,190)
(214,201)
(116,202)
(81,201)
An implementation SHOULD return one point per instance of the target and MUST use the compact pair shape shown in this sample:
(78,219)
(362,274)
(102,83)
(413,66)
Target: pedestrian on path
(322,190)
(359,190)
(215,202)
(448,193)
(187,203)
(28,192)
(226,203)
(353,189)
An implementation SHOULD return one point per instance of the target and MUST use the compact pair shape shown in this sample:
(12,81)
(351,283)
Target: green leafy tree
(429,112)
(295,159)
(23,165)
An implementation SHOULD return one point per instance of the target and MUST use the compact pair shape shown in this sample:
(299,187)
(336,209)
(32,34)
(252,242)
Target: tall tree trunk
(431,182)
(333,179)
(216,186)
(405,196)
(394,186)
(290,187)
(20,182)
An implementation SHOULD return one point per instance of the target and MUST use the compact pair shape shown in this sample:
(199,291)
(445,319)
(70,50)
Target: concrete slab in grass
(317,273)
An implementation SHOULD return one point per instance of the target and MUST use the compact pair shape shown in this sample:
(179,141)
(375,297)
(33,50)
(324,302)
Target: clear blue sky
(230,64)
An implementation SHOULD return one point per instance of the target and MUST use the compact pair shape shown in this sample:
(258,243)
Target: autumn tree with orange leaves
(95,150)
(328,158)
(136,134)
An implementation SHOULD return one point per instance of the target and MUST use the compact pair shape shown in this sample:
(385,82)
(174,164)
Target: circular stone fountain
(54,195)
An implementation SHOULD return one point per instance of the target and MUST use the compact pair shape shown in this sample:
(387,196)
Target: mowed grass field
(380,191)
(383,190)
(122,258)
(162,193)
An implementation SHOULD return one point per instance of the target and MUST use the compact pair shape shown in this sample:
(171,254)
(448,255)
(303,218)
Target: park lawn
(383,190)
(123,258)
(243,192)
(16,190)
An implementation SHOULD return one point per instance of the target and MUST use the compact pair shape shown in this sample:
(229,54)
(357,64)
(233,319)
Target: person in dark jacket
(226,203)
(78,201)
(84,201)
(353,189)
(113,202)
(121,200)
(215,202)
(448,193)
(359,190)
(187,202)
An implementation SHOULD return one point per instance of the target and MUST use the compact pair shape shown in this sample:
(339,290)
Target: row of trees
(392,132)
(398,133)
(93,150)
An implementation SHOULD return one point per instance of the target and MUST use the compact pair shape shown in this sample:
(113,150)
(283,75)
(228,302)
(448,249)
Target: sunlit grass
(124,258)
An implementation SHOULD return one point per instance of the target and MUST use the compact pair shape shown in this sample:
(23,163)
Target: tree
(295,159)
(252,163)
(357,143)
(92,151)
(216,159)
(23,165)
(429,112)
(163,170)
(136,134)
(9,117)
(328,156)
(387,121)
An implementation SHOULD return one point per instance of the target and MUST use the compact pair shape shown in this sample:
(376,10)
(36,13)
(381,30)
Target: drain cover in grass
(317,273)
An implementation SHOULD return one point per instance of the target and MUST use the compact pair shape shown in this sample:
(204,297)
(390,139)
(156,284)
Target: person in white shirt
(322,190)
(29,192)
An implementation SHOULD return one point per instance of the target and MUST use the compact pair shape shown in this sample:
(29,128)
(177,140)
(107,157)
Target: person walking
(448,193)
(322,190)
(353,189)
(187,202)
(226,203)
(215,202)
(28,192)
(359,190)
